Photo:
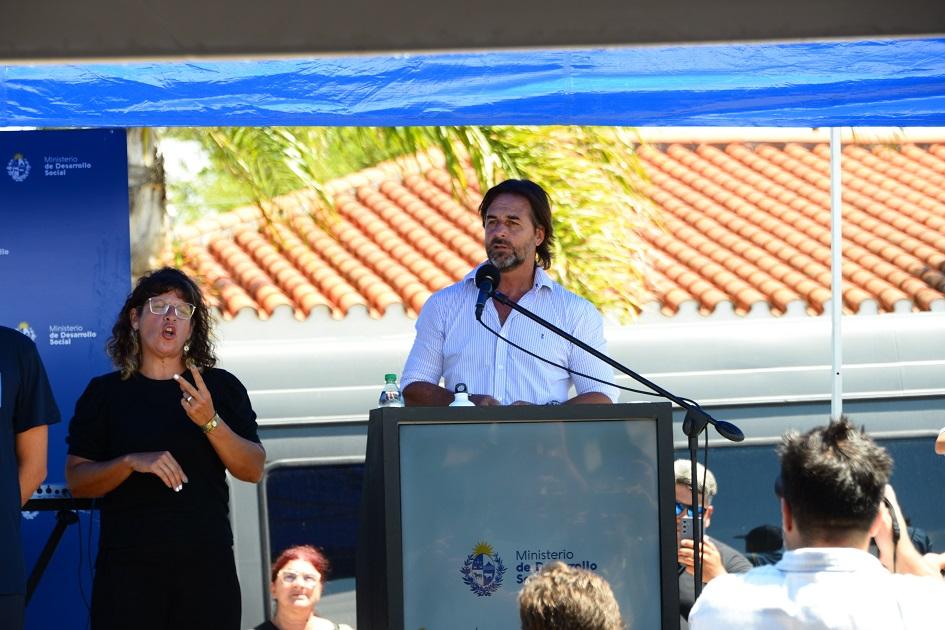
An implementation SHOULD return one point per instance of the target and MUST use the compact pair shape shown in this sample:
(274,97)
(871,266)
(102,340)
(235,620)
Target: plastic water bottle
(390,395)
(461,397)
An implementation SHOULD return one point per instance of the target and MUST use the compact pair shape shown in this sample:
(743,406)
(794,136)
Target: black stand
(64,518)
(694,424)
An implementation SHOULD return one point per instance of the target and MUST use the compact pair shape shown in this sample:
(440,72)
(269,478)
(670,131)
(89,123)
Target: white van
(314,384)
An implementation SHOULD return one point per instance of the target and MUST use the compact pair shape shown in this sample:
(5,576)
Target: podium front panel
(485,505)
(477,500)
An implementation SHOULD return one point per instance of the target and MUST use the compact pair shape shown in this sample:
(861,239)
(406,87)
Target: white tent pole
(836,272)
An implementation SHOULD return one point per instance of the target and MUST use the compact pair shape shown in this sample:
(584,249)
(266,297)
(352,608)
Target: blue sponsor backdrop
(64,274)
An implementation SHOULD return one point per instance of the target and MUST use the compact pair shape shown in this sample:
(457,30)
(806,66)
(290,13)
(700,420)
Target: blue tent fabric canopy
(898,82)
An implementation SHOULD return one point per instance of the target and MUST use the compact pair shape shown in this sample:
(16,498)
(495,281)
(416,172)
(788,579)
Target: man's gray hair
(683,472)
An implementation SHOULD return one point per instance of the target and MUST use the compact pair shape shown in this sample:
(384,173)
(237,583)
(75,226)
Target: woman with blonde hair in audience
(561,597)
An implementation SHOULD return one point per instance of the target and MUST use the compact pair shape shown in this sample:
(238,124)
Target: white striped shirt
(452,345)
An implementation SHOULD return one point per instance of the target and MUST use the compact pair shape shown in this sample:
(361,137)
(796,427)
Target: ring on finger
(188,399)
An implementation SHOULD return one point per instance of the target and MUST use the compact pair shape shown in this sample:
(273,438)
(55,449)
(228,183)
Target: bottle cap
(390,378)
(460,388)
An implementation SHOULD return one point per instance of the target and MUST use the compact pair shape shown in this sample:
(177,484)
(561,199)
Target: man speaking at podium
(451,344)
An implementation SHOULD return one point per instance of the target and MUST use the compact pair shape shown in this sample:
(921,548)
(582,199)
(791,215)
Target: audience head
(683,471)
(707,488)
(831,484)
(763,539)
(560,597)
(298,575)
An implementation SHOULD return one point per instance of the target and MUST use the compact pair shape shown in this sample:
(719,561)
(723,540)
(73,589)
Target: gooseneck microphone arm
(725,429)
(694,423)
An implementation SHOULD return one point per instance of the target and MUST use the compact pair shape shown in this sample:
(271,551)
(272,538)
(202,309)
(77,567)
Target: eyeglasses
(288,577)
(682,507)
(184,310)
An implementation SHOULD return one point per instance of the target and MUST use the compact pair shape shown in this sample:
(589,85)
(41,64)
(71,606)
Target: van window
(746,498)
(316,504)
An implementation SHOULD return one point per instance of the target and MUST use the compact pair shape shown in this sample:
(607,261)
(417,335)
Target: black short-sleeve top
(115,417)
(26,401)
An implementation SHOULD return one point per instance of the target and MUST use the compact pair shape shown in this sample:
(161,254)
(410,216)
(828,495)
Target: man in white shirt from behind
(833,480)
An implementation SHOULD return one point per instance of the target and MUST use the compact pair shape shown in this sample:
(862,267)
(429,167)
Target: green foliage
(593,177)
(591,173)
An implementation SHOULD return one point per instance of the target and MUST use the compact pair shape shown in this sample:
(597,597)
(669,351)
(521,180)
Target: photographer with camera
(717,557)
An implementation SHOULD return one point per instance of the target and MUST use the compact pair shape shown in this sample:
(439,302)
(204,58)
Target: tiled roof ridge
(757,238)
(782,135)
(744,231)
(399,167)
(883,269)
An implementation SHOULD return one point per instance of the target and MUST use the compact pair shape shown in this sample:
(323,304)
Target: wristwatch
(212,424)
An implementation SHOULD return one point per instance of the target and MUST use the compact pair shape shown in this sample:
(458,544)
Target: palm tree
(592,173)
(146,193)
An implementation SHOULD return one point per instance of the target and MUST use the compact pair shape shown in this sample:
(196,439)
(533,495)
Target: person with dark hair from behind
(155,439)
(450,343)
(297,579)
(26,408)
(560,597)
(832,485)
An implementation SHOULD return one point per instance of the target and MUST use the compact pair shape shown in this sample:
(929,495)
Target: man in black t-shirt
(26,407)
(717,557)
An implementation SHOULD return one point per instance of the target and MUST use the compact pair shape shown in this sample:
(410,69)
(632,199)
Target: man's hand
(940,443)
(712,566)
(903,557)
(484,400)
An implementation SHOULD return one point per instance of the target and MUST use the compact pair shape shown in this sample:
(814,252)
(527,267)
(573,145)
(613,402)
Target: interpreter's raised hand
(712,566)
(484,400)
(161,464)
(196,400)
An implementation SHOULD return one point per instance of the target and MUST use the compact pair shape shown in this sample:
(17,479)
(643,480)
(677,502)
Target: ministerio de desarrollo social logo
(26,329)
(483,570)
(18,168)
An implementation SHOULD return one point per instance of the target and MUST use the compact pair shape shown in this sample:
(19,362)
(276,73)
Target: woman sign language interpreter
(155,440)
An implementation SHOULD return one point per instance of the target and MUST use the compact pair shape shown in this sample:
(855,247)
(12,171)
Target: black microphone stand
(693,425)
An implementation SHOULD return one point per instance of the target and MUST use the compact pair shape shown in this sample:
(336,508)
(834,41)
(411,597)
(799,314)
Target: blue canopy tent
(895,82)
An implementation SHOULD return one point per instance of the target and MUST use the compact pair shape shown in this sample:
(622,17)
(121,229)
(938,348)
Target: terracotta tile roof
(744,229)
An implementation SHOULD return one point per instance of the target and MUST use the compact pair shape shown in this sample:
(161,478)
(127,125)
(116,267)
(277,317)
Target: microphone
(487,280)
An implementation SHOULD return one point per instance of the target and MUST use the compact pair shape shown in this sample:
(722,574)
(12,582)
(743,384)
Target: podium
(462,504)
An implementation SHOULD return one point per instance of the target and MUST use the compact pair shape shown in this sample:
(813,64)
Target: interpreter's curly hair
(568,598)
(123,346)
